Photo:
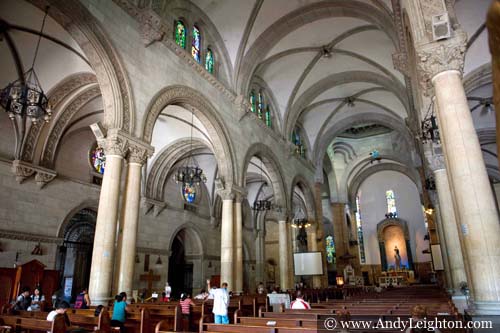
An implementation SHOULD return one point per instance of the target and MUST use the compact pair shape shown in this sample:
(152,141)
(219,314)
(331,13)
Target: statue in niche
(397,258)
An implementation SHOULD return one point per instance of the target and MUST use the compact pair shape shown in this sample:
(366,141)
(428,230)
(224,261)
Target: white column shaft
(226,240)
(238,267)
(283,252)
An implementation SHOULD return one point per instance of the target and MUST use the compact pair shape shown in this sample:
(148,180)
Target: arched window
(253,101)
(359,225)
(260,105)
(330,250)
(209,61)
(300,149)
(98,159)
(391,202)
(268,117)
(180,34)
(195,44)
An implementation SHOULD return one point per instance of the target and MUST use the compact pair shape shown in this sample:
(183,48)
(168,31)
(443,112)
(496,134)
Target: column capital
(114,143)
(226,194)
(139,153)
(282,214)
(438,57)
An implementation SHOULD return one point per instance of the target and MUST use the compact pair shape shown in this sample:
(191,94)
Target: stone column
(442,63)
(284,252)
(226,239)
(450,236)
(312,244)
(259,256)
(444,249)
(131,201)
(101,273)
(340,239)
(238,245)
(321,233)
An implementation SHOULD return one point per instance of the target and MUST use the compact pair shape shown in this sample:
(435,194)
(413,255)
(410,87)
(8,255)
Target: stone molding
(24,170)
(153,205)
(437,57)
(120,143)
(5,234)
(148,250)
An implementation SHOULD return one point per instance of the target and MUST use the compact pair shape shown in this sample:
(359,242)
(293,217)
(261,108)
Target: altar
(396,278)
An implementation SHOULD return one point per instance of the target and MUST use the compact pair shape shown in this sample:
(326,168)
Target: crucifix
(150,277)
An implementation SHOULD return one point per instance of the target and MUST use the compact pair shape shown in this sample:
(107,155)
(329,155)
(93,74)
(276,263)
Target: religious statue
(168,291)
(397,257)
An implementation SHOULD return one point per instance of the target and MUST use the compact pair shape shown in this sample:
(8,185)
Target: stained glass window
(253,101)
(189,193)
(195,45)
(260,105)
(180,34)
(268,117)
(209,61)
(362,257)
(300,148)
(98,159)
(330,250)
(391,202)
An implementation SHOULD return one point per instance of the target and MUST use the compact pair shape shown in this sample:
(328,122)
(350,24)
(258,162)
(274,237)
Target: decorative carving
(226,194)
(114,145)
(61,122)
(438,57)
(151,27)
(44,176)
(138,154)
(154,206)
(400,62)
(436,162)
(22,170)
(56,96)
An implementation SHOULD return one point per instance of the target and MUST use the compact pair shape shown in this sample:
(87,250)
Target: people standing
(186,302)
(119,311)
(221,303)
(168,291)
(82,300)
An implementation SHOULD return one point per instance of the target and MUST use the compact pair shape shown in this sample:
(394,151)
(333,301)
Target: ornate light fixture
(299,220)
(391,215)
(190,173)
(262,205)
(24,99)
(429,127)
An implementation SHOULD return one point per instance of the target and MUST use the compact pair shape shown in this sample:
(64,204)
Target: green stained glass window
(260,105)
(253,101)
(195,44)
(209,61)
(180,34)
(268,117)
(330,250)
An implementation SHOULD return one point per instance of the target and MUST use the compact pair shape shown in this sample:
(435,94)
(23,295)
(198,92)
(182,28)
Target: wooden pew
(58,325)
(91,323)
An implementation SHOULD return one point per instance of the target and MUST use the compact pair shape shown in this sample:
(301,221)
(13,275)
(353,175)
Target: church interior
(338,147)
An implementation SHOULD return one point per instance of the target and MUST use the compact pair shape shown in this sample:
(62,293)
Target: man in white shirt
(299,303)
(221,302)
(61,309)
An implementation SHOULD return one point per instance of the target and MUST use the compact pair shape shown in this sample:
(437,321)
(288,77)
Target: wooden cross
(150,277)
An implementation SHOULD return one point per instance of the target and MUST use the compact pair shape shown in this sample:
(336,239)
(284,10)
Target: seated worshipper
(221,302)
(23,301)
(98,310)
(61,308)
(260,288)
(164,297)
(168,291)
(378,288)
(118,318)
(299,303)
(185,304)
(419,314)
(37,300)
(202,295)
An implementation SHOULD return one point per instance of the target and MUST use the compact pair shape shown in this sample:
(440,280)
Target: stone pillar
(450,236)
(448,283)
(442,63)
(284,247)
(101,273)
(339,237)
(226,240)
(238,245)
(321,233)
(259,256)
(131,202)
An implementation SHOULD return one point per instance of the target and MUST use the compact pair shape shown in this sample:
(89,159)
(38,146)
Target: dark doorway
(180,273)
(75,254)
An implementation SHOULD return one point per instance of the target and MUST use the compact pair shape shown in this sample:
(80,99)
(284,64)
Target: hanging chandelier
(262,205)
(299,220)
(24,98)
(189,173)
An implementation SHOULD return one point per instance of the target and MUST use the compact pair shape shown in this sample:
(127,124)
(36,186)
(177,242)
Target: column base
(487,309)
(104,301)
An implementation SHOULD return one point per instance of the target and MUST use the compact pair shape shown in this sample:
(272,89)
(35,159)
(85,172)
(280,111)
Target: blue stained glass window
(260,105)
(98,159)
(330,250)
(195,45)
(189,193)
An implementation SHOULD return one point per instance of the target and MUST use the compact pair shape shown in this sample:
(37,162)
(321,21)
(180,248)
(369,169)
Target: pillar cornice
(114,144)
(438,57)
(139,152)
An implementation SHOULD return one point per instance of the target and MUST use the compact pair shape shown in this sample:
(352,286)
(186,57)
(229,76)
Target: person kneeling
(119,308)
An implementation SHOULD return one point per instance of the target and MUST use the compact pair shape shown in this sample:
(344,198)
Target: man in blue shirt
(119,308)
